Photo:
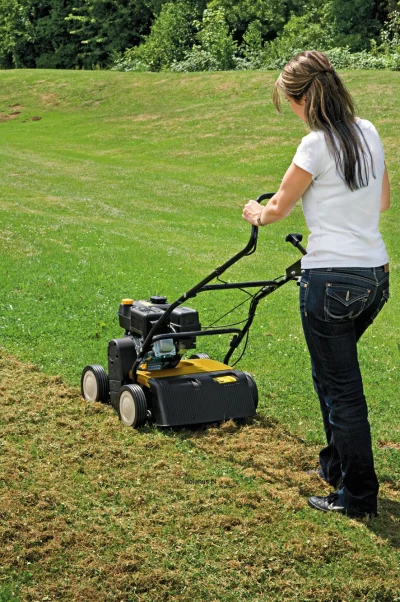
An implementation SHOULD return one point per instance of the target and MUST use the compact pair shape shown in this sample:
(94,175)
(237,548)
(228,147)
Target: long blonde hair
(329,108)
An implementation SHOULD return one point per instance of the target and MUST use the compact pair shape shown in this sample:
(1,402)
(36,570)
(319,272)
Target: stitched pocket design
(344,302)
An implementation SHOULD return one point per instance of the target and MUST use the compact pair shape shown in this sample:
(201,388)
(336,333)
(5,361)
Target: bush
(181,43)
(170,38)
(217,48)
(299,33)
(196,59)
(390,34)
(128,63)
(252,47)
(342,58)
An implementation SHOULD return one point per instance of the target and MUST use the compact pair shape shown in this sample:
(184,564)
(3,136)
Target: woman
(340,173)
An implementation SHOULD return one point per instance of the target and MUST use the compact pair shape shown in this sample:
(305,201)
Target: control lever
(295,240)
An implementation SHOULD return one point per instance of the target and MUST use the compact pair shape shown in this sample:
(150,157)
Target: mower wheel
(132,406)
(94,384)
(200,356)
(253,388)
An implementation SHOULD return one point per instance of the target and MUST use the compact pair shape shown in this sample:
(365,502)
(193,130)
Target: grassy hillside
(124,184)
(132,185)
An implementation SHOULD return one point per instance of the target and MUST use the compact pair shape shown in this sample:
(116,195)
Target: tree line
(195,35)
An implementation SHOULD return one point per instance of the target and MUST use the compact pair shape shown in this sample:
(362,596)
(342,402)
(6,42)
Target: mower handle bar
(247,250)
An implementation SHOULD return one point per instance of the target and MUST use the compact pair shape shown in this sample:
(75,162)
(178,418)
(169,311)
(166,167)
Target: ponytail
(329,108)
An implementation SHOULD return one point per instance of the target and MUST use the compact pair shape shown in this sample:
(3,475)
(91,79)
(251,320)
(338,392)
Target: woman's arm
(294,184)
(385,196)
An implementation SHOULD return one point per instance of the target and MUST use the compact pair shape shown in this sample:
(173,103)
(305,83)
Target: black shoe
(330,504)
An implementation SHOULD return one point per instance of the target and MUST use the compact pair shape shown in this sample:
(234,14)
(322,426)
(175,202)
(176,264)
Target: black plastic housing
(184,319)
(201,399)
(121,357)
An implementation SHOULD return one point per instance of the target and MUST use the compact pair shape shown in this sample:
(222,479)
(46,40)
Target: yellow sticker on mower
(223,380)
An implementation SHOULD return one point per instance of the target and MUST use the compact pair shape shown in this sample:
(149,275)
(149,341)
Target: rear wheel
(94,384)
(132,406)
(253,388)
(199,356)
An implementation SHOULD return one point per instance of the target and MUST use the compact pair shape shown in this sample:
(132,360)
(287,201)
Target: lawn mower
(149,379)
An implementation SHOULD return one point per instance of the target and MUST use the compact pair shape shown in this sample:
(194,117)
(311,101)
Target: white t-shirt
(343,224)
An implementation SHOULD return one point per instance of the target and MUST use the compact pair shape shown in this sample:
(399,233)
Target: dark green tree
(71,33)
(104,27)
(171,37)
(271,14)
(354,22)
(16,32)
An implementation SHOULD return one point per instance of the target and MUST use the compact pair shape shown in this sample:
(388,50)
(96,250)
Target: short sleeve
(308,155)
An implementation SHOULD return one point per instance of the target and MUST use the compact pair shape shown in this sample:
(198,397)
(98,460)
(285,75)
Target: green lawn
(132,185)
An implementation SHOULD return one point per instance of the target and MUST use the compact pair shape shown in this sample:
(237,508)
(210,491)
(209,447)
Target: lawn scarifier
(148,379)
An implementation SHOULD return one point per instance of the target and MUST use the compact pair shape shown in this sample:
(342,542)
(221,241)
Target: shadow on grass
(387,524)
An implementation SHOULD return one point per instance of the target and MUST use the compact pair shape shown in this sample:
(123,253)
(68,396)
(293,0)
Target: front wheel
(94,384)
(132,406)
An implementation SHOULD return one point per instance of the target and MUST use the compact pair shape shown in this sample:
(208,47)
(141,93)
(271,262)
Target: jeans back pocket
(344,301)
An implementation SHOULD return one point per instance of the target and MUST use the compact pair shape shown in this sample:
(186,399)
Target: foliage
(353,22)
(252,46)
(342,58)
(53,46)
(161,34)
(16,31)
(216,48)
(104,27)
(171,36)
(390,34)
(216,39)
(299,33)
(70,33)
(196,59)
(271,14)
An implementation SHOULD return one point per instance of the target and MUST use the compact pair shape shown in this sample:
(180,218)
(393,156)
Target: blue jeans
(337,305)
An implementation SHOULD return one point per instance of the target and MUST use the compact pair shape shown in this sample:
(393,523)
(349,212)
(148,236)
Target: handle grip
(264,196)
(260,199)
(295,240)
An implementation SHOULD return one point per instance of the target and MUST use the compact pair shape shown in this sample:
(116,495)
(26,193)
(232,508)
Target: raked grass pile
(118,185)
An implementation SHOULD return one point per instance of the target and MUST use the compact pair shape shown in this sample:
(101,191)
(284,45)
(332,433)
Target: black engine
(137,318)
